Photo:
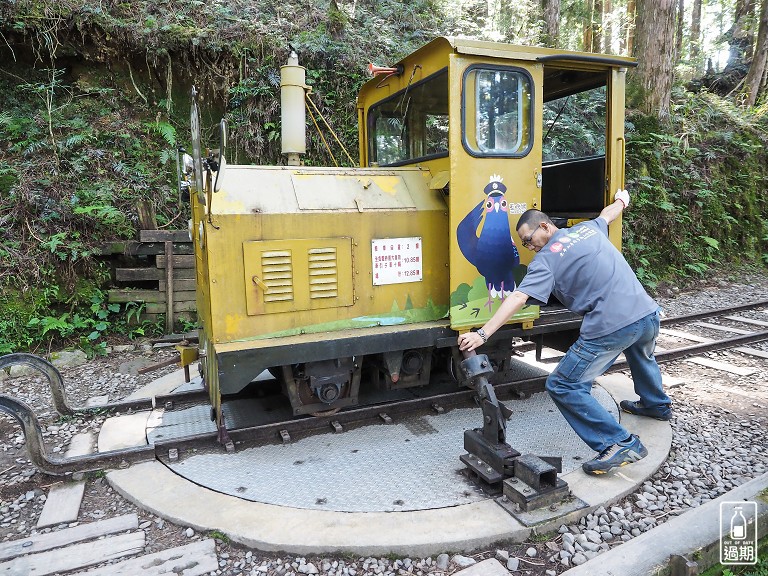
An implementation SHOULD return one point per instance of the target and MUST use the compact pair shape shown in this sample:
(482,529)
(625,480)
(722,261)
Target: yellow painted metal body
(288,256)
(286,251)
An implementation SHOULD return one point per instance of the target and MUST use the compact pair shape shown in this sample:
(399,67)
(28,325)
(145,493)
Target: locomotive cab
(336,279)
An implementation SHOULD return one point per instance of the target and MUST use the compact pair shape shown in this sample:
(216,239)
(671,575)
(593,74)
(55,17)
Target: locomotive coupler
(529,481)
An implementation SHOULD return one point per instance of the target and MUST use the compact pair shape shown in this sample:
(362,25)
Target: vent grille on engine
(277,267)
(323,273)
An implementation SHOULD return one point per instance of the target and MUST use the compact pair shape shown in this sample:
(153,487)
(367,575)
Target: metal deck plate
(412,464)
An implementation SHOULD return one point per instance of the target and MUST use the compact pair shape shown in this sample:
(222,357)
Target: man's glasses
(527,240)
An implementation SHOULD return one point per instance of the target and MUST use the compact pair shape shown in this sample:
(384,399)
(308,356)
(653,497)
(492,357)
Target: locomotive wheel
(308,397)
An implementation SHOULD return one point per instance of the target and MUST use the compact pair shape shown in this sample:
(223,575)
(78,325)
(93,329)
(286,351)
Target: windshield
(411,125)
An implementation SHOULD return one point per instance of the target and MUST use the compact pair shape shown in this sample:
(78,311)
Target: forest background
(94,102)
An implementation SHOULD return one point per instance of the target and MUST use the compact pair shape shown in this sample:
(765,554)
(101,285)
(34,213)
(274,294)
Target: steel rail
(368,414)
(714,312)
(33,436)
(683,351)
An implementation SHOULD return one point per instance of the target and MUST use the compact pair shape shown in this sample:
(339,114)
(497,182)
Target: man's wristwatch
(482,334)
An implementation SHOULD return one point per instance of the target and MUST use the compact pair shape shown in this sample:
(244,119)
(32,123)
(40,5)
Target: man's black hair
(532,218)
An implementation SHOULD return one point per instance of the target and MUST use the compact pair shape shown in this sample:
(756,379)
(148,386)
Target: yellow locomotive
(335,277)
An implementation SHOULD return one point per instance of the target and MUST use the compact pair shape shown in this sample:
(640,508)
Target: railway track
(720,329)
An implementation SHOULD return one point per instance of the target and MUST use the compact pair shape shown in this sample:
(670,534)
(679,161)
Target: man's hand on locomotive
(470,340)
(622,195)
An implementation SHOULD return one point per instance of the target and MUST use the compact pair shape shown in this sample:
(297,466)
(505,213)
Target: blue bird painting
(493,252)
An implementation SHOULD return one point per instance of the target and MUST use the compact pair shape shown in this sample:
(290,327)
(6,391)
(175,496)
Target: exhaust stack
(292,110)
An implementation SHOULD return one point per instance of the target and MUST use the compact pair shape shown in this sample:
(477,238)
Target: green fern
(73,141)
(165,130)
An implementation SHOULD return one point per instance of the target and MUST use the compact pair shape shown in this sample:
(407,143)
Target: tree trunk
(654,47)
(588,26)
(607,27)
(740,36)
(551,12)
(630,30)
(679,30)
(696,34)
(755,80)
(597,26)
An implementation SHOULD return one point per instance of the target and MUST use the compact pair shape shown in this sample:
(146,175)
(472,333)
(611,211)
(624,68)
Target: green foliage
(698,201)
(53,315)
(218,535)
(164,129)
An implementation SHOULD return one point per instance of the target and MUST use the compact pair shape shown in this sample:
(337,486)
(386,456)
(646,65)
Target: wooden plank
(75,557)
(720,328)
(157,248)
(133,295)
(747,320)
(750,394)
(179,285)
(178,262)
(138,274)
(136,295)
(724,366)
(169,282)
(62,504)
(144,274)
(146,213)
(671,381)
(184,295)
(164,236)
(134,248)
(159,307)
(43,542)
(192,559)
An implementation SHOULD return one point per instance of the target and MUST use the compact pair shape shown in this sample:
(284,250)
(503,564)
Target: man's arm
(511,305)
(612,211)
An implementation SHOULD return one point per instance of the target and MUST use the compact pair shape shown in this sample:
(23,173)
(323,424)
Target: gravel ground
(719,432)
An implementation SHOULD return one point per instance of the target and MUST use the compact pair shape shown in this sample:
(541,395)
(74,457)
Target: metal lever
(476,368)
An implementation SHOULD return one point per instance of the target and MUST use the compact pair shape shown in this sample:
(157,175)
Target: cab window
(412,125)
(496,111)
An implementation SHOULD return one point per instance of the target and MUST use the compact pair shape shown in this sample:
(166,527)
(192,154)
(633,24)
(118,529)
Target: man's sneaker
(663,412)
(617,455)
